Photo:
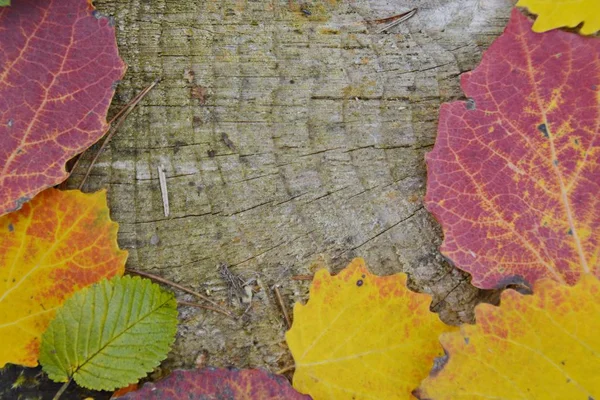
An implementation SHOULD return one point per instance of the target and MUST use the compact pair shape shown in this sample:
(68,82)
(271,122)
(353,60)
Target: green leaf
(4,3)
(111,334)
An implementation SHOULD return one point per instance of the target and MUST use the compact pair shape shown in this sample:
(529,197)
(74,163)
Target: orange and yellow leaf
(53,246)
(362,336)
(554,14)
(543,346)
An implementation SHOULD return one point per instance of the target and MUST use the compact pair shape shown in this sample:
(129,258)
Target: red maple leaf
(58,68)
(514,177)
(218,383)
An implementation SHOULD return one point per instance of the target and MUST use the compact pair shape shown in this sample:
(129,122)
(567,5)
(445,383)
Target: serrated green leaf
(4,3)
(111,334)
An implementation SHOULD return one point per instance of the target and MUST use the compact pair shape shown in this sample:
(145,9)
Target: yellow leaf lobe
(362,336)
(554,14)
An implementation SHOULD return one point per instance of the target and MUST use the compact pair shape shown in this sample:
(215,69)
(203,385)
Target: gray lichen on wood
(289,141)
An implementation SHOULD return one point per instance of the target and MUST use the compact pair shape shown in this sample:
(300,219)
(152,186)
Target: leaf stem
(182,288)
(62,389)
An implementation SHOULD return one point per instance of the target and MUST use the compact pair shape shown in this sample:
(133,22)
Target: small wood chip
(163,189)
(228,141)
(234,283)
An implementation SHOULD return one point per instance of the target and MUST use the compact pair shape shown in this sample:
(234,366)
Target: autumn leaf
(362,336)
(514,176)
(554,14)
(58,69)
(543,346)
(111,334)
(55,245)
(124,390)
(211,383)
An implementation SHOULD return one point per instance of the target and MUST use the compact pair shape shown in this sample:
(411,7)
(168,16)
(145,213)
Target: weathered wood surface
(288,141)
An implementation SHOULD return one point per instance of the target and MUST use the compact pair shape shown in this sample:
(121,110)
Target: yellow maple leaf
(361,336)
(543,346)
(554,14)
(56,244)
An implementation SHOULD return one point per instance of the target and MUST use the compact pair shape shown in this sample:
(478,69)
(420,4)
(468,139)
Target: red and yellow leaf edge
(56,244)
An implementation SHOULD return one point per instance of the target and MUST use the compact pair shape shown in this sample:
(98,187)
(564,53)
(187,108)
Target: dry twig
(302,278)
(282,306)
(389,19)
(285,369)
(396,20)
(123,113)
(182,288)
